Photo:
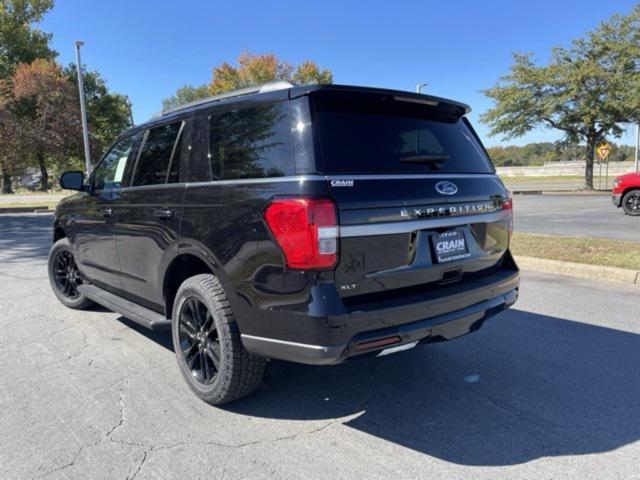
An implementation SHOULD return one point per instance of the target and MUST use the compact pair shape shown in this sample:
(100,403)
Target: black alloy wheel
(199,340)
(66,275)
(631,203)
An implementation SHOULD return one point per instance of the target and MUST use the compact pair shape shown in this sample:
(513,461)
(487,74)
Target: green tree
(11,147)
(46,114)
(107,112)
(534,154)
(255,69)
(308,72)
(186,94)
(20,42)
(588,91)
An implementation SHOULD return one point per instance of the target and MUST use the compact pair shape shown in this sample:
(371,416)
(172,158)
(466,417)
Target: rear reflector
(508,205)
(306,230)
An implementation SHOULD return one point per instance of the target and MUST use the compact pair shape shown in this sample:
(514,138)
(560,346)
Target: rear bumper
(616,198)
(444,319)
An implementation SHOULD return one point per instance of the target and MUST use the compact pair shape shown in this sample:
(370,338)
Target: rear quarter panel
(223,221)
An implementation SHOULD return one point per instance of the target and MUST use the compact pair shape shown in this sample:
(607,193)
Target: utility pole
(130,111)
(83,109)
(419,86)
(637,144)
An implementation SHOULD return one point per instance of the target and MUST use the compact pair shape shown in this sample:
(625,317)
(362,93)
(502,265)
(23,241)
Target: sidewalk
(43,198)
(36,202)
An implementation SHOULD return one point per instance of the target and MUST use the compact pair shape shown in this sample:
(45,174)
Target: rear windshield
(378,134)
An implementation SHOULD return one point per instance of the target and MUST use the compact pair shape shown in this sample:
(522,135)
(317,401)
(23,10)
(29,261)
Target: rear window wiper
(425,159)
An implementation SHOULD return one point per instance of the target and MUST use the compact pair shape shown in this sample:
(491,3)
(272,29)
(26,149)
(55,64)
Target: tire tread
(241,372)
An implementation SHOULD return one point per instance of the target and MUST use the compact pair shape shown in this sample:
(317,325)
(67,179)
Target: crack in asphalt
(148,449)
(155,448)
(71,463)
(122,409)
(102,438)
(145,455)
(71,356)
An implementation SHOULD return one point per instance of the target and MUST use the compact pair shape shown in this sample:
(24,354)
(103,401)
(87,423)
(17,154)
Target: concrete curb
(562,192)
(580,270)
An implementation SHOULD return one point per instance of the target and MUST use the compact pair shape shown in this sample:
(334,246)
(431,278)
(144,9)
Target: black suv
(304,223)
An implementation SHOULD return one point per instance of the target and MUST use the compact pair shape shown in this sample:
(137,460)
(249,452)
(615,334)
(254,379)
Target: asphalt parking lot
(575,215)
(549,389)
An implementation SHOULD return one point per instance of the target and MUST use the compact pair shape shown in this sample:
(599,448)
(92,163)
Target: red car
(626,193)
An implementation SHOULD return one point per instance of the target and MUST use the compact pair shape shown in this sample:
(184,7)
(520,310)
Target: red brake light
(306,229)
(508,205)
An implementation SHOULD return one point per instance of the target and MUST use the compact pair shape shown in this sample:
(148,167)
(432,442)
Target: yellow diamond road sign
(603,150)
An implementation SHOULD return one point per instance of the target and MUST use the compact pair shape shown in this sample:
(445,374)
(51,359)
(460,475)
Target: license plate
(449,246)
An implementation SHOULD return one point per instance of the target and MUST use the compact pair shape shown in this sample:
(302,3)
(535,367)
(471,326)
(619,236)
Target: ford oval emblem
(446,188)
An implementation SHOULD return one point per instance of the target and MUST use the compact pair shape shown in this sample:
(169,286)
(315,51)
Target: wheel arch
(187,262)
(58,232)
(629,189)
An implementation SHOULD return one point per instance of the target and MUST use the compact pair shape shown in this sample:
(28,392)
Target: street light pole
(130,111)
(419,86)
(637,145)
(83,109)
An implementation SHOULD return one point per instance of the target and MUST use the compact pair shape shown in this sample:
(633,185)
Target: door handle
(163,213)
(106,212)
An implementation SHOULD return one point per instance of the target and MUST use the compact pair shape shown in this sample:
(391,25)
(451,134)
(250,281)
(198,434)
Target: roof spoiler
(458,108)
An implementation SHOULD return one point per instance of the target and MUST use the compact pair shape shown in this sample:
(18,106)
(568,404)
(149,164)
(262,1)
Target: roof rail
(267,87)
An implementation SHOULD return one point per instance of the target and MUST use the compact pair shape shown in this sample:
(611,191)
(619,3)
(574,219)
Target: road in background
(574,215)
(549,389)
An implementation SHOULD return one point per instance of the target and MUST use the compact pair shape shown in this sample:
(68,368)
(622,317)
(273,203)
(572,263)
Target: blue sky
(147,49)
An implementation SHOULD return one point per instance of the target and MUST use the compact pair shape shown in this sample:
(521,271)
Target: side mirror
(72,180)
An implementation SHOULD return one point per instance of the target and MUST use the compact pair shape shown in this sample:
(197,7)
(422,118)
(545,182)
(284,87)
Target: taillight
(306,230)
(508,205)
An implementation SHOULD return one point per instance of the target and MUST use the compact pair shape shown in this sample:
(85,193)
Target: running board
(133,311)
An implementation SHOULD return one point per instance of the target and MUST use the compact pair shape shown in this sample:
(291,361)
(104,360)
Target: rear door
(419,202)
(149,212)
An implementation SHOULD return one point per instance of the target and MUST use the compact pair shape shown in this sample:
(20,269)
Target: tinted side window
(108,174)
(156,155)
(250,143)
(174,170)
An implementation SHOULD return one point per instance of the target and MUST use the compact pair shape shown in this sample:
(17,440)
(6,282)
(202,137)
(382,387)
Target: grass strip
(592,251)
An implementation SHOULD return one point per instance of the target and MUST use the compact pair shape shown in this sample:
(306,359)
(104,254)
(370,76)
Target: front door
(93,226)
(149,212)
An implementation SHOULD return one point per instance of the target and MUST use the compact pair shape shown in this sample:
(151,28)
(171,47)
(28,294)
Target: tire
(200,337)
(631,203)
(68,274)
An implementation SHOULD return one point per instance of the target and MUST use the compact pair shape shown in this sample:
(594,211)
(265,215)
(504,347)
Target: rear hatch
(418,200)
